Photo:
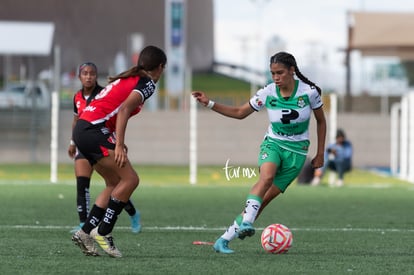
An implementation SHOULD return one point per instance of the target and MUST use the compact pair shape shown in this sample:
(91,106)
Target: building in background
(101,30)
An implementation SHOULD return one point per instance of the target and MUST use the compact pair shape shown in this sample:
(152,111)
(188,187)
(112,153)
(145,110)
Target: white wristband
(71,142)
(210,104)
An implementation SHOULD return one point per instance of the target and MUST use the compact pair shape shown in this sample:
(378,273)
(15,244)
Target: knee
(133,180)
(136,181)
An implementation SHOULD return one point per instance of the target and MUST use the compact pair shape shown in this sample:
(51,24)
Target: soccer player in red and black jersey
(94,135)
(88,75)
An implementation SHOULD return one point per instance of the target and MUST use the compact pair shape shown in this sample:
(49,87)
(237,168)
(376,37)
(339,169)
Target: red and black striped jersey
(80,101)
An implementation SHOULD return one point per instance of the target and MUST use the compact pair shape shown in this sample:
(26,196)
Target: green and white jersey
(289,118)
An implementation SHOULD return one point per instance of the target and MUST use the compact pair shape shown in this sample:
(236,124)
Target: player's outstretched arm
(238,112)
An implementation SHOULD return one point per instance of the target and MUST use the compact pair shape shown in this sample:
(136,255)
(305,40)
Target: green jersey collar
(293,93)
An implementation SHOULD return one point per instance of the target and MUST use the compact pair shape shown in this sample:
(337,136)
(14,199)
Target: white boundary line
(210,229)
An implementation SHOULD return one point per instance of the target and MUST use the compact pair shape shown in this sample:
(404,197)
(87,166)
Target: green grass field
(365,227)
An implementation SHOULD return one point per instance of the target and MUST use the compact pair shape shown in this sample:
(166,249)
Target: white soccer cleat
(316,181)
(339,183)
(85,243)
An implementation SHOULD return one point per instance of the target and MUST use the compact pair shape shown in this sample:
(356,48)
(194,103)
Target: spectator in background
(339,156)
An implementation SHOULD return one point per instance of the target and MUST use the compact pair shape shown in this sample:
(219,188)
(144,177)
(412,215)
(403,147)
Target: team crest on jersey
(301,102)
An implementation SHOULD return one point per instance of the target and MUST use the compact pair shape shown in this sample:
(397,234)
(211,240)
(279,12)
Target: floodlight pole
(54,131)
(404,124)
(394,134)
(193,128)
(348,66)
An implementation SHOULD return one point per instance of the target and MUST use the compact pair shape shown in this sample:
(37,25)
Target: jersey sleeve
(146,87)
(315,99)
(258,101)
(75,107)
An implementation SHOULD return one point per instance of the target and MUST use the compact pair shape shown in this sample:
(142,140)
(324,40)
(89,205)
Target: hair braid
(306,80)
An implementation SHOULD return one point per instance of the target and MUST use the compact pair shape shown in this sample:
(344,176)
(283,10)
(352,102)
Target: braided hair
(289,60)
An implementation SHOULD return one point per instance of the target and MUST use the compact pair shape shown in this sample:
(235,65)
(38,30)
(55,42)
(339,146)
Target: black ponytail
(150,58)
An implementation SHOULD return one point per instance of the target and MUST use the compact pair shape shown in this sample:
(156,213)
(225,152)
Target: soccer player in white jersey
(290,102)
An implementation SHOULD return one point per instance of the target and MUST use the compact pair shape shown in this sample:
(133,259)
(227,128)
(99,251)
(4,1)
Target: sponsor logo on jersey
(148,90)
(89,109)
(105,130)
(112,139)
(319,100)
(259,102)
(273,102)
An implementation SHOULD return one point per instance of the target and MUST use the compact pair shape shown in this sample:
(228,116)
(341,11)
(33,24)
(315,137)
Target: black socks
(82,197)
(130,208)
(111,215)
(94,218)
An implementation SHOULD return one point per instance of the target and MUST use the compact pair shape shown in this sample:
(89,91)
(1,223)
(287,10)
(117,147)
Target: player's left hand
(200,97)
(121,156)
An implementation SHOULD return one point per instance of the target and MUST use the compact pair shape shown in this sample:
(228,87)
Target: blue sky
(310,29)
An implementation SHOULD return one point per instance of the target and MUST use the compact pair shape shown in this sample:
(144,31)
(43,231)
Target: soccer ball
(276,238)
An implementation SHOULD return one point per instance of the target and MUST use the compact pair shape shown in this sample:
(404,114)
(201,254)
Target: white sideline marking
(207,229)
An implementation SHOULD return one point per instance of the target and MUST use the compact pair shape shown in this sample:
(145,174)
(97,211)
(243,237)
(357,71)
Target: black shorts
(93,141)
(79,155)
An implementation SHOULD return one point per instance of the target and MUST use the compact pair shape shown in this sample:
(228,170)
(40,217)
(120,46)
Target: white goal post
(402,138)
